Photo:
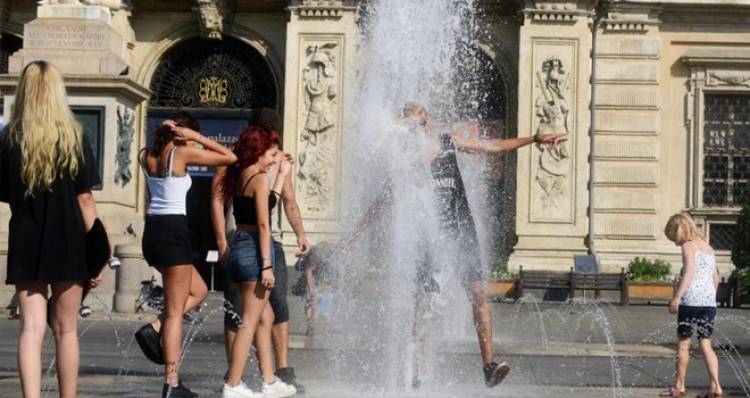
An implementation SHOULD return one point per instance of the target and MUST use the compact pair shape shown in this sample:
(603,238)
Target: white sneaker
(278,389)
(240,391)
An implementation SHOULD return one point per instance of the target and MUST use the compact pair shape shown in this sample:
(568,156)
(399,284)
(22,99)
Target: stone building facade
(670,116)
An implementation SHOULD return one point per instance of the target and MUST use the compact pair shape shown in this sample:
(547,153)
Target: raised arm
(212,154)
(218,216)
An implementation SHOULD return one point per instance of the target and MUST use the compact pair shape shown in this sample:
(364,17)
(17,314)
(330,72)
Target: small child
(694,302)
(319,286)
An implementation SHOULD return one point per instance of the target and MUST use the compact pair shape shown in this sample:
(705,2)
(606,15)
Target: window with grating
(215,74)
(721,236)
(726,150)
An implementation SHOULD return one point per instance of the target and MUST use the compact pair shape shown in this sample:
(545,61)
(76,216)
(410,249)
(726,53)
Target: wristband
(267,267)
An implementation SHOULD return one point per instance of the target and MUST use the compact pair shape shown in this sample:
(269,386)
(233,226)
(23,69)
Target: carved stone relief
(211,16)
(111,4)
(554,113)
(732,78)
(125,132)
(318,138)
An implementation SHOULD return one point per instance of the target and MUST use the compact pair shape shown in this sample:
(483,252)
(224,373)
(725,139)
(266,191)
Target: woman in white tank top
(166,237)
(694,302)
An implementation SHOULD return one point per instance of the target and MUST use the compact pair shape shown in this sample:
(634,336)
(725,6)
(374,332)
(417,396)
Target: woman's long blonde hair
(45,128)
(681,228)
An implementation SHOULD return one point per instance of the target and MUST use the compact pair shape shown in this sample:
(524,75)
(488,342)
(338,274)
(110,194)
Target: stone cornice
(320,9)
(122,85)
(717,57)
(556,11)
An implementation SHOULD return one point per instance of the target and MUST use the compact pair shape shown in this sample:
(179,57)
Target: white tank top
(169,193)
(701,292)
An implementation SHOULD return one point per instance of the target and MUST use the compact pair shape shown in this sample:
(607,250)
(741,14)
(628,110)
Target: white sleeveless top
(169,193)
(701,292)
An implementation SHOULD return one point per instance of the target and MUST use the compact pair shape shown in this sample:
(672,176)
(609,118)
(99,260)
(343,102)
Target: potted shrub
(650,280)
(502,283)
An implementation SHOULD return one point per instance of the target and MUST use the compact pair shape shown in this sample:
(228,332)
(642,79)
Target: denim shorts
(245,263)
(702,318)
(277,299)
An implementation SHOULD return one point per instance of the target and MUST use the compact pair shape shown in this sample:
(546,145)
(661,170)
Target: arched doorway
(222,83)
(485,96)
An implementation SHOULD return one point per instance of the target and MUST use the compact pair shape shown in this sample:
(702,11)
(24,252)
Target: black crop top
(244,206)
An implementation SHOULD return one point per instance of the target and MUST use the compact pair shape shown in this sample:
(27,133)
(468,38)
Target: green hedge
(645,270)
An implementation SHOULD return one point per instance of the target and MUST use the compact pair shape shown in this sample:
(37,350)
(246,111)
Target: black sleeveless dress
(46,232)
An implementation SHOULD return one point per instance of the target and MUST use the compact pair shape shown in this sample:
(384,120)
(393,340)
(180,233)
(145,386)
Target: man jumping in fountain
(459,231)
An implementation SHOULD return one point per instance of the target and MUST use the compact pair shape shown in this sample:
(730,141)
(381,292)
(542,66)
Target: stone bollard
(132,271)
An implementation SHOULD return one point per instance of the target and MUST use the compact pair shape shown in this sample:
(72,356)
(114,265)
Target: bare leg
(177,284)
(197,294)
(280,335)
(263,345)
(229,336)
(66,301)
(712,365)
(683,357)
(482,320)
(32,309)
(254,301)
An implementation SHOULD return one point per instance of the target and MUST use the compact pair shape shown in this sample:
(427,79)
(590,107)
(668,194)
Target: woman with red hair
(250,260)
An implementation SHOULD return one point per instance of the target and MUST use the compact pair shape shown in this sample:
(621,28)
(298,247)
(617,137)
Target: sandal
(709,394)
(672,392)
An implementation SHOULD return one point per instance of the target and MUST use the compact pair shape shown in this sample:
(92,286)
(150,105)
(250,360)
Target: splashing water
(398,279)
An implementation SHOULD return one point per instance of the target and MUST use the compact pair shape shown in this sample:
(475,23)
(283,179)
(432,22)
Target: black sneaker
(494,373)
(177,392)
(150,342)
(287,376)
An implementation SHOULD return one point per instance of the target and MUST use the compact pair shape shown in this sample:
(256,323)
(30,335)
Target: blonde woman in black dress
(46,173)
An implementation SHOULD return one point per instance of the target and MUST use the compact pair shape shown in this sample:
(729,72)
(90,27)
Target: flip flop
(672,392)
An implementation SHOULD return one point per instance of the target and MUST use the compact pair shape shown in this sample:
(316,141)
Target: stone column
(554,71)
(133,270)
(321,38)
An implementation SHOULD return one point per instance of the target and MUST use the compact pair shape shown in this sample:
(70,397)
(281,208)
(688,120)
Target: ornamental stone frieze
(320,8)
(551,11)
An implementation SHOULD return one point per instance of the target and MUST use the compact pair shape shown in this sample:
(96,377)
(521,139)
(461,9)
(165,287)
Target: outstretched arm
(497,146)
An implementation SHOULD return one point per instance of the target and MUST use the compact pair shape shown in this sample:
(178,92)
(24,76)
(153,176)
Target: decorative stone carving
(318,139)
(211,16)
(320,8)
(111,4)
(552,109)
(557,11)
(732,78)
(626,26)
(125,132)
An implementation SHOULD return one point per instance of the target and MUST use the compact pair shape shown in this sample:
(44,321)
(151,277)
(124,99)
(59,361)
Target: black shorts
(700,318)
(277,299)
(167,241)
